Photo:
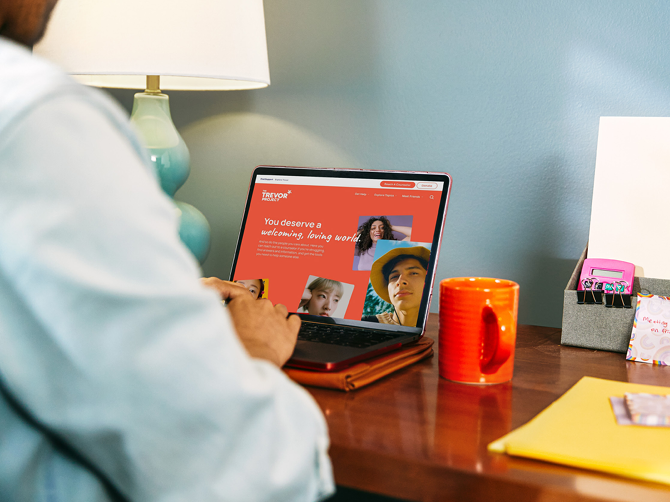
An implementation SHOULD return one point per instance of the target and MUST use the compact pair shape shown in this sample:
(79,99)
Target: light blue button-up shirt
(107,338)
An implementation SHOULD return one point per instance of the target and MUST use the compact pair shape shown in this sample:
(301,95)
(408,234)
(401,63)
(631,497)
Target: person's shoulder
(19,63)
(28,80)
(25,77)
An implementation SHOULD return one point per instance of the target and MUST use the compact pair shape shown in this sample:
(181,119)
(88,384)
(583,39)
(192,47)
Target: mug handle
(497,339)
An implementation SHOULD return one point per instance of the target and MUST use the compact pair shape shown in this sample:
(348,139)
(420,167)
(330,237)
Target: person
(321,297)
(398,278)
(123,378)
(373,230)
(255,286)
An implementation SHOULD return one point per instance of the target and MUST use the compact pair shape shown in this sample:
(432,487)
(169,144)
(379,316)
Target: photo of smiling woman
(372,229)
(325,297)
(398,278)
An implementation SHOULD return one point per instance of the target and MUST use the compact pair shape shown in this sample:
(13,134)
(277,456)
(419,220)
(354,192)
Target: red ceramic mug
(477,329)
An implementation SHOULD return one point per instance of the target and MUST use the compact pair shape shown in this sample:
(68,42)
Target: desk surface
(419,437)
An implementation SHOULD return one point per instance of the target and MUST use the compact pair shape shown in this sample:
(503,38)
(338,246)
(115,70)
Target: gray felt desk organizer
(599,327)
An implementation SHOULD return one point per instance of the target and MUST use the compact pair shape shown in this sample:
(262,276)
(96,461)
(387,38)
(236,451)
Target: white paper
(631,194)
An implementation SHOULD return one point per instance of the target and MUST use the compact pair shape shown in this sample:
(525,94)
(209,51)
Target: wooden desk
(419,437)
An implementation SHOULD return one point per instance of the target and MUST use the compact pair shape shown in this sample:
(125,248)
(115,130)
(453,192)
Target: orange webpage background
(288,261)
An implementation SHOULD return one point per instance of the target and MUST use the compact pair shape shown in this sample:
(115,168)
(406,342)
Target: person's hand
(227,289)
(264,329)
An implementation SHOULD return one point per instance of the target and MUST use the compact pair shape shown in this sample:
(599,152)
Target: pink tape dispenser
(612,278)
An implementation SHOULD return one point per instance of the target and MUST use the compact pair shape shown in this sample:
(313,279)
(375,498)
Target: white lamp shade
(191,44)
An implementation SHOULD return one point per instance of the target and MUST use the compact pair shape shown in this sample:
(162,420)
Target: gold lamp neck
(153,84)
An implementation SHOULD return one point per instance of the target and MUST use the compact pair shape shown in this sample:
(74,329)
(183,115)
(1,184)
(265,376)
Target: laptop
(352,252)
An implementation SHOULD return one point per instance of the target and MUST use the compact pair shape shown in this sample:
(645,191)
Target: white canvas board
(631,194)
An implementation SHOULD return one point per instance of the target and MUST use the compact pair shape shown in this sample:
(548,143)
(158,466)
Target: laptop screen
(343,246)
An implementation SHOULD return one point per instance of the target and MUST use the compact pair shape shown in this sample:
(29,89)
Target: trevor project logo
(274,196)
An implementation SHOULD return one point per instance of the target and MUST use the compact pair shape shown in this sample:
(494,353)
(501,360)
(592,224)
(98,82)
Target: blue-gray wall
(504,95)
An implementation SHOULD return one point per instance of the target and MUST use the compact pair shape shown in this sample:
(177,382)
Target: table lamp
(154,45)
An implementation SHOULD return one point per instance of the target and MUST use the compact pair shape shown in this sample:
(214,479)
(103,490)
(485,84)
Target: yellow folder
(580,429)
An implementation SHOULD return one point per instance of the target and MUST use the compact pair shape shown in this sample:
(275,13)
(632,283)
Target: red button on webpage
(397,184)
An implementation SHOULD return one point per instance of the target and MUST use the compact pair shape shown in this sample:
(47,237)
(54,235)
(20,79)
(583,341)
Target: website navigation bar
(351,183)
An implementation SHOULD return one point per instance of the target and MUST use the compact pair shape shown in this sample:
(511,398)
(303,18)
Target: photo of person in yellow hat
(398,277)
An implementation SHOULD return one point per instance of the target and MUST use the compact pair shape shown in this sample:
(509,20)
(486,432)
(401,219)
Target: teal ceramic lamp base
(194,230)
(169,154)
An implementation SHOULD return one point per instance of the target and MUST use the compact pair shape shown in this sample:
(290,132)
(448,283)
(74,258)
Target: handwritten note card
(650,339)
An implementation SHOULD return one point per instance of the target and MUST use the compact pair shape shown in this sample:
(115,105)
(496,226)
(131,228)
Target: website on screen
(338,247)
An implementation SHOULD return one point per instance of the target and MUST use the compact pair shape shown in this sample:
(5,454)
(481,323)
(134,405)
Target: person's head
(326,294)
(25,21)
(405,276)
(398,277)
(255,286)
(374,229)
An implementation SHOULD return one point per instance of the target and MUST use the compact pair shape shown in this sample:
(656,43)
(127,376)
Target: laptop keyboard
(343,335)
